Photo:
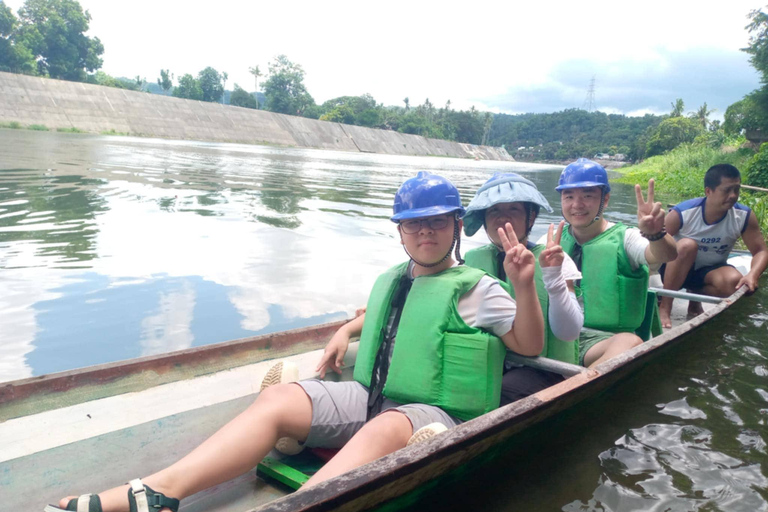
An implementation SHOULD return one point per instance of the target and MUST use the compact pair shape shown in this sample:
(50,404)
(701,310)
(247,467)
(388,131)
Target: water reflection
(114,247)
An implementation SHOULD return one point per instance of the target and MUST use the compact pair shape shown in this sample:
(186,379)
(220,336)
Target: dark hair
(716,173)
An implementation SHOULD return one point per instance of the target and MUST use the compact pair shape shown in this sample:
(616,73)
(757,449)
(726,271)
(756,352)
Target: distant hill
(569,133)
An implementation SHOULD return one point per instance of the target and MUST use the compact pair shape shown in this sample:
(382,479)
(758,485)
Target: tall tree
(14,54)
(54,30)
(241,98)
(256,74)
(407,104)
(188,88)
(486,128)
(758,42)
(671,133)
(702,115)
(677,108)
(166,79)
(211,83)
(285,89)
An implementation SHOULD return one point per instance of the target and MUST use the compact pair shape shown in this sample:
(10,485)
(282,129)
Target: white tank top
(715,240)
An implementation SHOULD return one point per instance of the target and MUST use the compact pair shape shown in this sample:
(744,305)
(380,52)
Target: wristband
(657,236)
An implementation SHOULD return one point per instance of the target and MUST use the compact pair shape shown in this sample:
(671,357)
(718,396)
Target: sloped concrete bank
(57,104)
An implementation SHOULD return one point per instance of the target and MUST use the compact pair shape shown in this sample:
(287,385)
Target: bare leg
(382,435)
(721,282)
(674,276)
(284,410)
(610,348)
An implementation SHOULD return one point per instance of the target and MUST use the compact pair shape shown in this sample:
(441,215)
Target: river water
(117,247)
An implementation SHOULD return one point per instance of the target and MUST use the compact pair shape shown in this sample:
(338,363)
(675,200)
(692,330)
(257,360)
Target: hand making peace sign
(553,255)
(519,262)
(650,215)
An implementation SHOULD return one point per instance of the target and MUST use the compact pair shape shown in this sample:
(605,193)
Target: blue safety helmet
(426,195)
(501,188)
(583,173)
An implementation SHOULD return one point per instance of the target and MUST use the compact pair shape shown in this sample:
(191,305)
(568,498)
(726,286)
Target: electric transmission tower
(589,101)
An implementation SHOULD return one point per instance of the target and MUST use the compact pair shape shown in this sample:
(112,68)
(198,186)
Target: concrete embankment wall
(92,108)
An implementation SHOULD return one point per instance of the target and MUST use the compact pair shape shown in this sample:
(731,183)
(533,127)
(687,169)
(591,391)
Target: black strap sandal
(85,503)
(141,498)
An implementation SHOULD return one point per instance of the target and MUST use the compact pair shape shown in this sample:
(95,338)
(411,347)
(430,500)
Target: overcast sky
(497,56)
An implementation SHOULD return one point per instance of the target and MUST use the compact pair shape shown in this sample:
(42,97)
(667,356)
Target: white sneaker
(427,432)
(283,372)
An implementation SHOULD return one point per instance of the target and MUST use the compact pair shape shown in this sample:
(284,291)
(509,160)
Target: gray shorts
(588,338)
(339,410)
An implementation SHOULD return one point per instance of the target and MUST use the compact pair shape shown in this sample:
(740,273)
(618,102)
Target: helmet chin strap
(456,243)
(599,210)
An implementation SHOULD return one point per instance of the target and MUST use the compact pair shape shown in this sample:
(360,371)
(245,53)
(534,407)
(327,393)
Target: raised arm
(755,242)
(565,316)
(650,221)
(333,357)
(527,334)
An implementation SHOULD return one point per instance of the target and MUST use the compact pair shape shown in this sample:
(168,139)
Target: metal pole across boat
(685,295)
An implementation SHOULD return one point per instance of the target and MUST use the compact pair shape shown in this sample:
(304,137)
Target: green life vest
(485,258)
(614,295)
(437,359)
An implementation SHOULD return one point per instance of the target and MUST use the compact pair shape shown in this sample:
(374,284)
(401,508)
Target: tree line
(48,39)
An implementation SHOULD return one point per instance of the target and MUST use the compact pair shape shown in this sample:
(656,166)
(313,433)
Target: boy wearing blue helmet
(432,344)
(613,258)
(510,198)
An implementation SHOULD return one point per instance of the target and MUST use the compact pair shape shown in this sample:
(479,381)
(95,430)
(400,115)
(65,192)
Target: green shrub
(70,130)
(757,171)
(679,174)
(38,127)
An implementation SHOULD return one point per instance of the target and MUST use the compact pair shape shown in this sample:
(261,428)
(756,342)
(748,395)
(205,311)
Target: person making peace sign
(614,259)
(511,200)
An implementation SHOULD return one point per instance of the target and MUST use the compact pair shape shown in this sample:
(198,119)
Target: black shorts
(695,278)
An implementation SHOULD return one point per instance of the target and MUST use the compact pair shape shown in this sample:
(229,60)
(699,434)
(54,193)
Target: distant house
(602,156)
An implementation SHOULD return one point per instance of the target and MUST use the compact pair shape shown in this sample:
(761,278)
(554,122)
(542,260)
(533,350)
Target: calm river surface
(117,247)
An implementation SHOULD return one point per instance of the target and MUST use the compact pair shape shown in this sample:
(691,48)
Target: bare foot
(694,309)
(665,310)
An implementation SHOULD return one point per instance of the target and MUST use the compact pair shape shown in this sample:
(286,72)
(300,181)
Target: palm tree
(677,108)
(702,115)
(256,74)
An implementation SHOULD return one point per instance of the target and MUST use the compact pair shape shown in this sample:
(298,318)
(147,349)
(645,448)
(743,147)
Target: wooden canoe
(90,429)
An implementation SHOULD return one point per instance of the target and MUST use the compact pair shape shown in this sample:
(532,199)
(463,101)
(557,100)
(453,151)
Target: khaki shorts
(588,338)
(339,410)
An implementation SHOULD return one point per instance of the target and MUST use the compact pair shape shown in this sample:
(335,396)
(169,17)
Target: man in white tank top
(706,228)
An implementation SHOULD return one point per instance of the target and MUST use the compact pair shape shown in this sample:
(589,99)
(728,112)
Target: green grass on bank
(679,175)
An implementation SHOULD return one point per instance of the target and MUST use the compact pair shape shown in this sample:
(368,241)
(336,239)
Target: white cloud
(417,49)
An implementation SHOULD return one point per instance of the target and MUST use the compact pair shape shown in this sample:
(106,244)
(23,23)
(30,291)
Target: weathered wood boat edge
(36,394)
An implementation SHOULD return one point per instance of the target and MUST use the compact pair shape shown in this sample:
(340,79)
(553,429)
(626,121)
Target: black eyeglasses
(410,227)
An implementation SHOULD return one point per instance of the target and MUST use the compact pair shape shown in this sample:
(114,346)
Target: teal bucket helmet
(502,188)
